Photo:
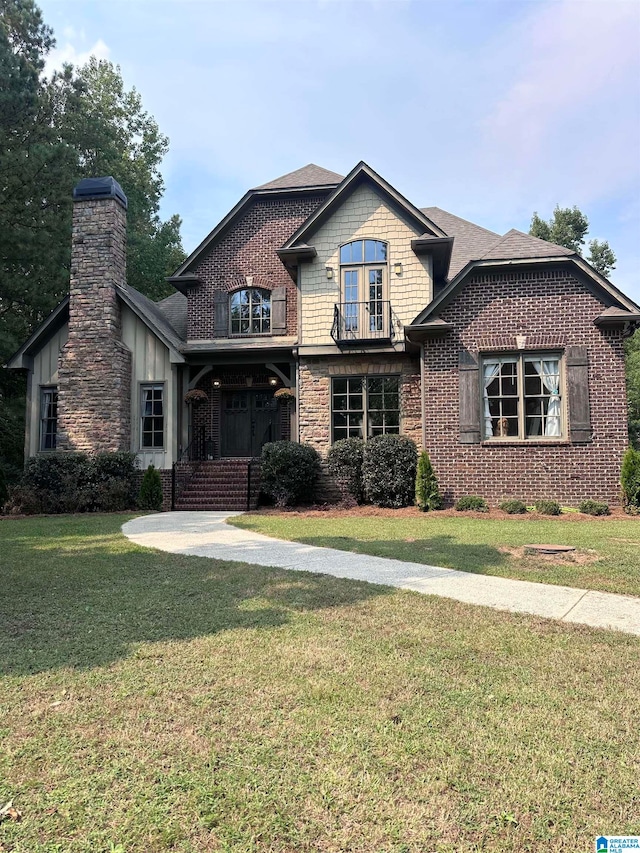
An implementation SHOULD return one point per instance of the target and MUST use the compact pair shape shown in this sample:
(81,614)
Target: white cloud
(69,53)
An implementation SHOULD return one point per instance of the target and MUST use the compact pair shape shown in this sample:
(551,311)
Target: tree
(112,134)
(568,227)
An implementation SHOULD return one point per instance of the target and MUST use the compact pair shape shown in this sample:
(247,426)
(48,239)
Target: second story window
(363,280)
(250,312)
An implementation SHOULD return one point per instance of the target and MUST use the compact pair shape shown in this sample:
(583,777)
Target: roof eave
(21,360)
(184,282)
(175,357)
(440,248)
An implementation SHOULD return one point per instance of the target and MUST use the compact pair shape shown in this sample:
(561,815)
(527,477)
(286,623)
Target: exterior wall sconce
(329,271)
(249,381)
(273,381)
(216,383)
(397,268)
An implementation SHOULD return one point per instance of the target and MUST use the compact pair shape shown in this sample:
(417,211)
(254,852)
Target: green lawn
(607,556)
(153,702)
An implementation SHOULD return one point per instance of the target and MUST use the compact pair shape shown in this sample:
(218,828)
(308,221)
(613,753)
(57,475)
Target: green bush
(630,480)
(545,507)
(472,502)
(150,495)
(345,466)
(289,472)
(427,492)
(389,470)
(513,506)
(590,507)
(4,492)
(75,482)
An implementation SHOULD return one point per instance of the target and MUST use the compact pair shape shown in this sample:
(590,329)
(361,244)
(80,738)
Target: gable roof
(174,308)
(307,176)
(358,175)
(154,315)
(516,244)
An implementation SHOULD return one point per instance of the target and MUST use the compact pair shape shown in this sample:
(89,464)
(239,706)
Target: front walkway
(206,534)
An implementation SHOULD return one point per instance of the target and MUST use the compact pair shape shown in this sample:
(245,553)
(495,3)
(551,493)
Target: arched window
(250,312)
(363,282)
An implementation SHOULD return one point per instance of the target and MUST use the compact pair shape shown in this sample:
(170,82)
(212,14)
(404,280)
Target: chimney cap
(89,188)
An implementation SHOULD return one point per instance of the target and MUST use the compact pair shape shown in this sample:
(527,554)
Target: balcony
(357,323)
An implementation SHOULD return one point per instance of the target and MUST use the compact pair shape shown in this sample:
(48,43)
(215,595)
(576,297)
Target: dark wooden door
(249,420)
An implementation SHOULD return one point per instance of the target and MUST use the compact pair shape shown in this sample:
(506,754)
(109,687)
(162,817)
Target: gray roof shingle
(307,176)
(174,308)
(155,315)
(515,244)
(470,240)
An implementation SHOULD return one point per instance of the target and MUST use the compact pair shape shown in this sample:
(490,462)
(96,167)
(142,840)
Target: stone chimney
(94,385)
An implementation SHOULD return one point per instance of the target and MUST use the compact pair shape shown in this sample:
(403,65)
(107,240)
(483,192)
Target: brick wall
(94,379)
(553,310)
(249,249)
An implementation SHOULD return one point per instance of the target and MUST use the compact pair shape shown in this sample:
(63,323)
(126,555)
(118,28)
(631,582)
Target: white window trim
(520,357)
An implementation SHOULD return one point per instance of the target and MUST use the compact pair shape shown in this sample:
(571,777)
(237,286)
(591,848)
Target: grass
(607,556)
(153,702)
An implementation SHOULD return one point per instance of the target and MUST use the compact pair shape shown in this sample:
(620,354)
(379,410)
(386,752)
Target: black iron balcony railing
(357,322)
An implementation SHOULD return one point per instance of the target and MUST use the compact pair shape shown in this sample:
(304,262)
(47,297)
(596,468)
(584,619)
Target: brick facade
(249,249)
(553,310)
(94,384)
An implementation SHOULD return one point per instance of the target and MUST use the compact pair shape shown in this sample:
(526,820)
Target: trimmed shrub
(345,466)
(75,482)
(150,495)
(389,470)
(545,507)
(472,502)
(590,507)
(427,492)
(289,472)
(630,480)
(512,506)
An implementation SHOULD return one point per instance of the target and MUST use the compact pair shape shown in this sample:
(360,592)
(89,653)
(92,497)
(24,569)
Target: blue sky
(489,109)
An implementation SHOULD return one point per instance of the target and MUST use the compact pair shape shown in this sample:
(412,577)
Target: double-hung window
(152,417)
(364,406)
(250,312)
(522,396)
(48,417)
(363,274)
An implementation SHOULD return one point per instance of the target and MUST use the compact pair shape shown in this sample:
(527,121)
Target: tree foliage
(632,347)
(568,227)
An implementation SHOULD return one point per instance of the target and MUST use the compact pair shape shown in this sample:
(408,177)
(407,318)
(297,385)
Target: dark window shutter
(469,373)
(578,392)
(279,311)
(220,314)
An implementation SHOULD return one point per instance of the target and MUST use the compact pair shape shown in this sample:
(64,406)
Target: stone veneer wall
(314,405)
(554,310)
(249,249)
(94,378)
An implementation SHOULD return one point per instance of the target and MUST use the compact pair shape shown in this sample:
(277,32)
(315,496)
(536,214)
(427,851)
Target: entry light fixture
(329,273)
(249,381)
(397,268)
(216,383)
(273,381)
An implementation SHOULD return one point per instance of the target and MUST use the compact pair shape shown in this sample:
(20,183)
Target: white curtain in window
(551,382)
(490,370)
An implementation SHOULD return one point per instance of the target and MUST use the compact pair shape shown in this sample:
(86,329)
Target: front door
(249,420)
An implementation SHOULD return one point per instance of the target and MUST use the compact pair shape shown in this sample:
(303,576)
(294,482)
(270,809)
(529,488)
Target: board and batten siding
(150,364)
(45,373)
(364,215)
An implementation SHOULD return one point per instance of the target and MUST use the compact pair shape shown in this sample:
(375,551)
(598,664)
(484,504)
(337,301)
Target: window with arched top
(363,286)
(250,312)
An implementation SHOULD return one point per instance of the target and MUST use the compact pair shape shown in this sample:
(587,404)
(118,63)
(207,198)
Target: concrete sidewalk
(206,534)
